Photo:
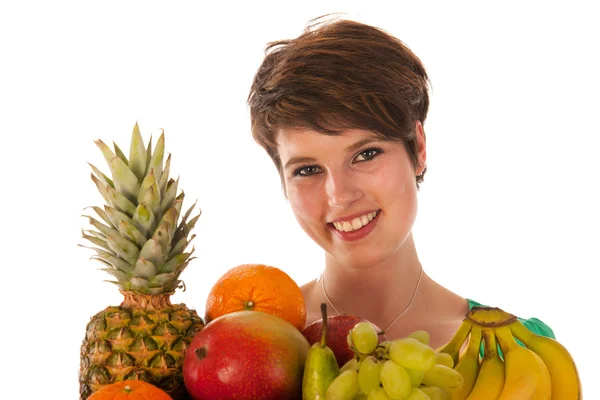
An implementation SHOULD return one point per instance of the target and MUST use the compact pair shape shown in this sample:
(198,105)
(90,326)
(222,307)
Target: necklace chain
(412,299)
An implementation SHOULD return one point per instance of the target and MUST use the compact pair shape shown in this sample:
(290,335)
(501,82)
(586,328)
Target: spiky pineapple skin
(141,342)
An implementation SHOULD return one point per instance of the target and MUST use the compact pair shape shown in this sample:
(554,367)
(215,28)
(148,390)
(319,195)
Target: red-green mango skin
(250,355)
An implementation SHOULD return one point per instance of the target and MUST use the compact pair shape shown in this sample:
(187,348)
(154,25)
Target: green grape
(441,376)
(353,363)
(416,376)
(421,336)
(364,337)
(386,345)
(417,394)
(360,396)
(395,380)
(369,374)
(344,386)
(378,394)
(411,353)
(434,393)
(444,359)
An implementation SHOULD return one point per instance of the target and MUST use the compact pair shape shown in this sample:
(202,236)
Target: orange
(130,389)
(257,287)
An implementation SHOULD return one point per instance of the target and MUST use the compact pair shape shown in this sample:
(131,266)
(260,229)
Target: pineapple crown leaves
(136,235)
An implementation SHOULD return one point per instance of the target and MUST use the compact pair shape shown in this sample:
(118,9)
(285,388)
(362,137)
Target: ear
(421,147)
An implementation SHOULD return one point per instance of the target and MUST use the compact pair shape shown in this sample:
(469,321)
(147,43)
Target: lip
(355,235)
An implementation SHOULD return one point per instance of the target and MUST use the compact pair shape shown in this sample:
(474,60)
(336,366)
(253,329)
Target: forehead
(296,141)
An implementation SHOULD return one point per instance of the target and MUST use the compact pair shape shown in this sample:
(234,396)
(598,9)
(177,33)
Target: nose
(341,189)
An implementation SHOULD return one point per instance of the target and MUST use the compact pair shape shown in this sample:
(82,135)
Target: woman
(341,111)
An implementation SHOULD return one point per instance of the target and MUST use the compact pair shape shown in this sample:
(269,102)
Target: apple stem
(324,325)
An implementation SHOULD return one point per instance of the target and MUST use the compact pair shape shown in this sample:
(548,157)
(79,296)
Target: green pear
(321,366)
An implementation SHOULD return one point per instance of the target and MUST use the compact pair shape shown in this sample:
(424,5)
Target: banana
(455,344)
(490,380)
(468,364)
(544,389)
(527,377)
(563,372)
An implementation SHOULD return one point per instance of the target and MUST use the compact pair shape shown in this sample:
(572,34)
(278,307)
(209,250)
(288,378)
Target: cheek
(397,186)
(306,207)
(303,201)
(407,198)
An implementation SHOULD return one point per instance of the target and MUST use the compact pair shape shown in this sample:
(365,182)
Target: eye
(367,154)
(307,170)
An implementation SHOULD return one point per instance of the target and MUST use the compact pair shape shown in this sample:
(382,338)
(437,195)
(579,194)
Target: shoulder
(308,288)
(311,300)
(534,324)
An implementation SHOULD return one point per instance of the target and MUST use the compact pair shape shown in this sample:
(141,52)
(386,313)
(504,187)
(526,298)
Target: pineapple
(139,243)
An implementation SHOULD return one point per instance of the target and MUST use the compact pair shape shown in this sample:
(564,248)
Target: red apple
(338,328)
(246,355)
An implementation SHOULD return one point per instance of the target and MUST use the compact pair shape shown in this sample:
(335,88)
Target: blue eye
(307,170)
(368,154)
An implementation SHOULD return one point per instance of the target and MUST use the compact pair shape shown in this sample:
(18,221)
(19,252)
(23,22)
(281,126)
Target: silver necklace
(322,278)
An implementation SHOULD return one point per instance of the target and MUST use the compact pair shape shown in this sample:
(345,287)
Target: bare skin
(372,269)
(435,309)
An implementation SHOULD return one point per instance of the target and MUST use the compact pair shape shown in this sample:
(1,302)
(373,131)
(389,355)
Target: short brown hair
(335,75)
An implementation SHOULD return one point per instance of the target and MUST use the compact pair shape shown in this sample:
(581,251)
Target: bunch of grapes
(401,369)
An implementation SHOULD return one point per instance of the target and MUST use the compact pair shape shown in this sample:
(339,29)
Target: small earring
(420,164)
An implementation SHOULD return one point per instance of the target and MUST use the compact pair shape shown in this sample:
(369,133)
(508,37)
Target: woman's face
(354,194)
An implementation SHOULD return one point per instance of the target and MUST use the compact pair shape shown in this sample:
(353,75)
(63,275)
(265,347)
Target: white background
(509,211)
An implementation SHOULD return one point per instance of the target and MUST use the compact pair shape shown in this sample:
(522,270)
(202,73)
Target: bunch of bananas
(541,369)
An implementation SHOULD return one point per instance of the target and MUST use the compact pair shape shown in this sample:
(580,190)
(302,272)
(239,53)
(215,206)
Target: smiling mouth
(356,224)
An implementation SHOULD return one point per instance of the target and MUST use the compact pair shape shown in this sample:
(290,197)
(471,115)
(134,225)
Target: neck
(378,292)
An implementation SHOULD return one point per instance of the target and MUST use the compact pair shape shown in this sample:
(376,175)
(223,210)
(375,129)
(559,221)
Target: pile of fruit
(496,366)
(405,368)
(253,343)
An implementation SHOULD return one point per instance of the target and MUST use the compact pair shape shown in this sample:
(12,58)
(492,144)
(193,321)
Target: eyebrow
(349,149)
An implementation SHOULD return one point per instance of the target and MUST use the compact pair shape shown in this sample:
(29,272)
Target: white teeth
(355,224)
